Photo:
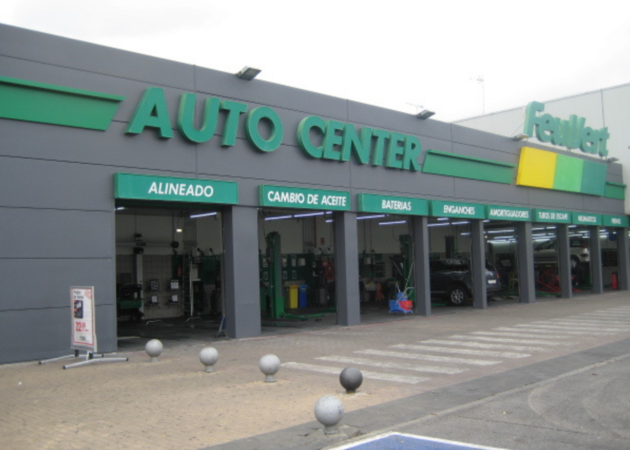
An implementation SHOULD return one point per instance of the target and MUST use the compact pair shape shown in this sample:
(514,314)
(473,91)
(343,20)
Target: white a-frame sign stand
(83,329)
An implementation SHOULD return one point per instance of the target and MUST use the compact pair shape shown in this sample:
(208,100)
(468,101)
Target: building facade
(121,172)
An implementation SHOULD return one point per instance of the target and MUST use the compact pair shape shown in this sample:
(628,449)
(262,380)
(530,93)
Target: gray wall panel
(53,233)
(34,334)
(485,153)
(546,198)
(59,51)
(482,139)
(49,281)
(56,185)
(486,192)
(221,84)
(385,119)
(113,147)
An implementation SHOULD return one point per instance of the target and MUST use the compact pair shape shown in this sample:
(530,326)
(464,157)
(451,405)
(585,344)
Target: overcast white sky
(390,53)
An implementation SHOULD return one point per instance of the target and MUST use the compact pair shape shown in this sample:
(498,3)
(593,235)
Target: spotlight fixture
(424,114)
(520,137)
(612,160)
(248,73)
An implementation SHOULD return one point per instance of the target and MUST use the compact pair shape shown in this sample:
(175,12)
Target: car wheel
(457,296)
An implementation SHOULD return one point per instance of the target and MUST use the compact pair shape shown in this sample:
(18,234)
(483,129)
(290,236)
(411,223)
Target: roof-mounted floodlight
(424,114)
(612,160)
(520,137)
(248,73)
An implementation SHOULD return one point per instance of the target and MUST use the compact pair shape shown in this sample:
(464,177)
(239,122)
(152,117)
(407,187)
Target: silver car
(547,252)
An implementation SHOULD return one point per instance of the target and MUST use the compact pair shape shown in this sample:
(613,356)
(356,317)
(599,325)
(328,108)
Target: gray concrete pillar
(421,275)
(623,258)
(564,261)
(478,265)
(525,253)
(347,269)
(595,250)
(241,272)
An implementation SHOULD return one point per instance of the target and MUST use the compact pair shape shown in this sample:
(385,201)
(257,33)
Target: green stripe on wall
(594,178)
(56,105)
(615,190)
(568,175)
(449,164)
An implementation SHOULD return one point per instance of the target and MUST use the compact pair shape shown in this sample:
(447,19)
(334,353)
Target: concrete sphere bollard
(154,349)
(209,357)
(329,411)
(351,378)
(269,365)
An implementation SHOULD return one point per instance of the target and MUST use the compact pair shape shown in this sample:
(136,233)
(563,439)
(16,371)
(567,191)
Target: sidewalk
(174,404)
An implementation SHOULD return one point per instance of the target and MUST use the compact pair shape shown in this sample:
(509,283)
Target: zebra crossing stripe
(466,343)
(548,329)
(564,330)
(508,341)
(391,365)
(586,326)
(521,334)
(366,374)
(434,358)
(593,322)
(461,351)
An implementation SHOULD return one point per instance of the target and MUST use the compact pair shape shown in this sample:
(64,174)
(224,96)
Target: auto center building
(168,190)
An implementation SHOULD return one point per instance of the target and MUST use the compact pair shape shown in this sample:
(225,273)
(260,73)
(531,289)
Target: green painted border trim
(31,101)
(65,89)
(458,166)
(615,190)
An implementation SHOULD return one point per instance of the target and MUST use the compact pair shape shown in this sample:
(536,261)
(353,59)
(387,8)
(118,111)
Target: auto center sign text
(318,138)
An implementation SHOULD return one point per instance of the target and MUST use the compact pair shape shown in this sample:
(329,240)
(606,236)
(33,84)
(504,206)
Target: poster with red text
(82,310)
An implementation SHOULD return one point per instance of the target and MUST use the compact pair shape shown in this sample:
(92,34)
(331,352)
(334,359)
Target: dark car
(451,280)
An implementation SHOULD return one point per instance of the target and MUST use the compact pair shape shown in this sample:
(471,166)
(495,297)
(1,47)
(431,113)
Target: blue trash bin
(302,296)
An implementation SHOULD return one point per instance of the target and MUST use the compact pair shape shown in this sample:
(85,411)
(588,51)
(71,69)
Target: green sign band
(615,221)
(509,213)
(552,216)
(293,197)
(587,219)
(393,205)
(56,105)
(149,187)
(454,209)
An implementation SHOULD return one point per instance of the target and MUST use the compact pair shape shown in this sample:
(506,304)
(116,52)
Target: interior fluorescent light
(308,214)
(248,73)
(377,216)
(196,216)
(442,218)
(424,114)
(120,208)
(438,224)
(393,223)
(464,222)
(179,230)
(278,217)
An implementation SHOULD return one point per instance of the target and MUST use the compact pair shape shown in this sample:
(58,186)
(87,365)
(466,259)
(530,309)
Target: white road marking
(557,329)
(516,348)
(508,341)
(391,365)
(434,358)
(462,351)
(366,374)
(523,334)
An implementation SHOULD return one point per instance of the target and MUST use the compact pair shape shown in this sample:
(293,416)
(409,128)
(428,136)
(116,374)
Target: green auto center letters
(339,141)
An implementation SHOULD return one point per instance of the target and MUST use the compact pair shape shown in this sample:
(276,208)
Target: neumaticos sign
(318,138)
(571,133)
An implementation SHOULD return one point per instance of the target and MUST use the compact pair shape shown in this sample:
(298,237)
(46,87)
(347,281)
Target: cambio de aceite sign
(292,197)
